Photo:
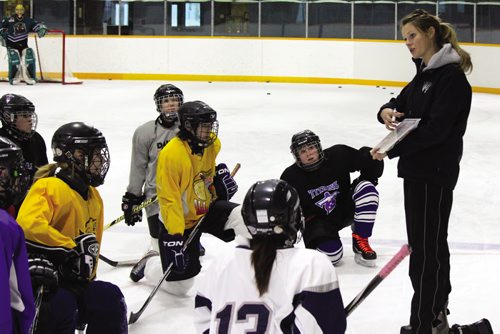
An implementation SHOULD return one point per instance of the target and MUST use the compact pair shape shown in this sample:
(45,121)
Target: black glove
(225,185)
(4,32)
(43,273)
(81,264)
(172,247)
(129,203)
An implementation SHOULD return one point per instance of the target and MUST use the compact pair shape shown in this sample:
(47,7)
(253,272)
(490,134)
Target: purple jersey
(17,307)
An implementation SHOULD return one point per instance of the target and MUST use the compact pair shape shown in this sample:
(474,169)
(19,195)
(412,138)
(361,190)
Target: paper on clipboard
(395,136)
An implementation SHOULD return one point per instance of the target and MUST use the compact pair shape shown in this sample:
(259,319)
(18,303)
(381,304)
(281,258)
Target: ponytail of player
(272,215)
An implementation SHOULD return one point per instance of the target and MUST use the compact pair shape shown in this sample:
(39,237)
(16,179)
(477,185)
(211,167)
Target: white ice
(256,123)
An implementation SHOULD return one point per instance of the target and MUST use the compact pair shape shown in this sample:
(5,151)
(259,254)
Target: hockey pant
(365,198)
(22,67)
(101,306)
(223,221)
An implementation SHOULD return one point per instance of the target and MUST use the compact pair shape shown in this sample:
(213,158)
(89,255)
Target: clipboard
(395,136)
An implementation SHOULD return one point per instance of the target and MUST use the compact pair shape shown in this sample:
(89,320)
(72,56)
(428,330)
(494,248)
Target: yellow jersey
(182,184)
(53,214)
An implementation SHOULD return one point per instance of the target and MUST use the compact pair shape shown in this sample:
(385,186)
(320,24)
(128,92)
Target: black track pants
(427,209)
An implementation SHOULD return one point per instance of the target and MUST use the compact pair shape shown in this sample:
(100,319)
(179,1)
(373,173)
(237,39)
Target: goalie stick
(135,316)
(383,273)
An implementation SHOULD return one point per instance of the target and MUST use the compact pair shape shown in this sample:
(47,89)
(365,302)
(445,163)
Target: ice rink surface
(257,121)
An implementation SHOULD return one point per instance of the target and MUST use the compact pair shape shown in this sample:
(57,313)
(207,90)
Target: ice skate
(363,254)
(482,326)
(441,326)
(137,272)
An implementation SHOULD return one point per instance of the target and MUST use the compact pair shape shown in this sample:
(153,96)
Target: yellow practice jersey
(53,214)
(182,184)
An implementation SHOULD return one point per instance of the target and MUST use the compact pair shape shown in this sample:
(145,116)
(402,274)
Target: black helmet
(164,92)
(13,106)
(91,160)
(272,207)
(191,115)
(306,138)
(14,179)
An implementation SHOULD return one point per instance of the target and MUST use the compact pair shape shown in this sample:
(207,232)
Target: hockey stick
(135,316)
(38,304)
(154,199)
(113,263)
(383,273)
(138,208)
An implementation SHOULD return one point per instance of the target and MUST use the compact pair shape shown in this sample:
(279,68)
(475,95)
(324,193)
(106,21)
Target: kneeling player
(329,200)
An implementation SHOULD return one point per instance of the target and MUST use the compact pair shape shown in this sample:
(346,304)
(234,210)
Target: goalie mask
(307,151)
(272,208)
(14,179)
(19,10)
(168,99)
(84,149)
(198,124)
(18,116)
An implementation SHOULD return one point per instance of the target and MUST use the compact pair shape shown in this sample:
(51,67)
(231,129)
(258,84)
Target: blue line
(476,246)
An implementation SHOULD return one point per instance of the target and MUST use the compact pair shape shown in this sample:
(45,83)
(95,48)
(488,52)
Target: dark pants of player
(17,46)
(213,223)
(101,306)
(427,209)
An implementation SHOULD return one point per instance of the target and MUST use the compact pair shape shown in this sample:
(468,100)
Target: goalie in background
(14,36)
(329,200)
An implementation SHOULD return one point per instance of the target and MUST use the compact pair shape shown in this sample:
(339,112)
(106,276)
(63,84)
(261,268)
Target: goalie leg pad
(14,62)
(28,66)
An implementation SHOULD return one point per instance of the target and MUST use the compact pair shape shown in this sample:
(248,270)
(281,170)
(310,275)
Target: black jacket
(34,150)
(326,193)
(441,97)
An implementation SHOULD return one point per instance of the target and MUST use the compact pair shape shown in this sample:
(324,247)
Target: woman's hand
(376,155)
(389,116)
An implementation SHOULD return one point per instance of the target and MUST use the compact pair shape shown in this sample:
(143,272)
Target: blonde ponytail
(448,35)
(48,170)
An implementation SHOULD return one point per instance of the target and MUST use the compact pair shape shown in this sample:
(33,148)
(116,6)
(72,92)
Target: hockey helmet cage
(272,208)
(14,178)
(306,138)
(162,94)
(13,106)
(84,148)
(191,116)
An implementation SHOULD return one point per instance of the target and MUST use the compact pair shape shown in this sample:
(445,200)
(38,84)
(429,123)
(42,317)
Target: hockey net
(51,54)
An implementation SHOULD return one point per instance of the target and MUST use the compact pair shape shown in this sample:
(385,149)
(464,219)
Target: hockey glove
(43,273)
(4,32)
(129,203)
(225,185)
(42,31)
(81,264)
(172,247)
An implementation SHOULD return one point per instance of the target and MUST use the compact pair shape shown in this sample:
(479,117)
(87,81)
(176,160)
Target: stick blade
(133,317)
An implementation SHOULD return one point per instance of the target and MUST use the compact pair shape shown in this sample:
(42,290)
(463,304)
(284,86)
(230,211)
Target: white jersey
(303,295)
(147,142)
